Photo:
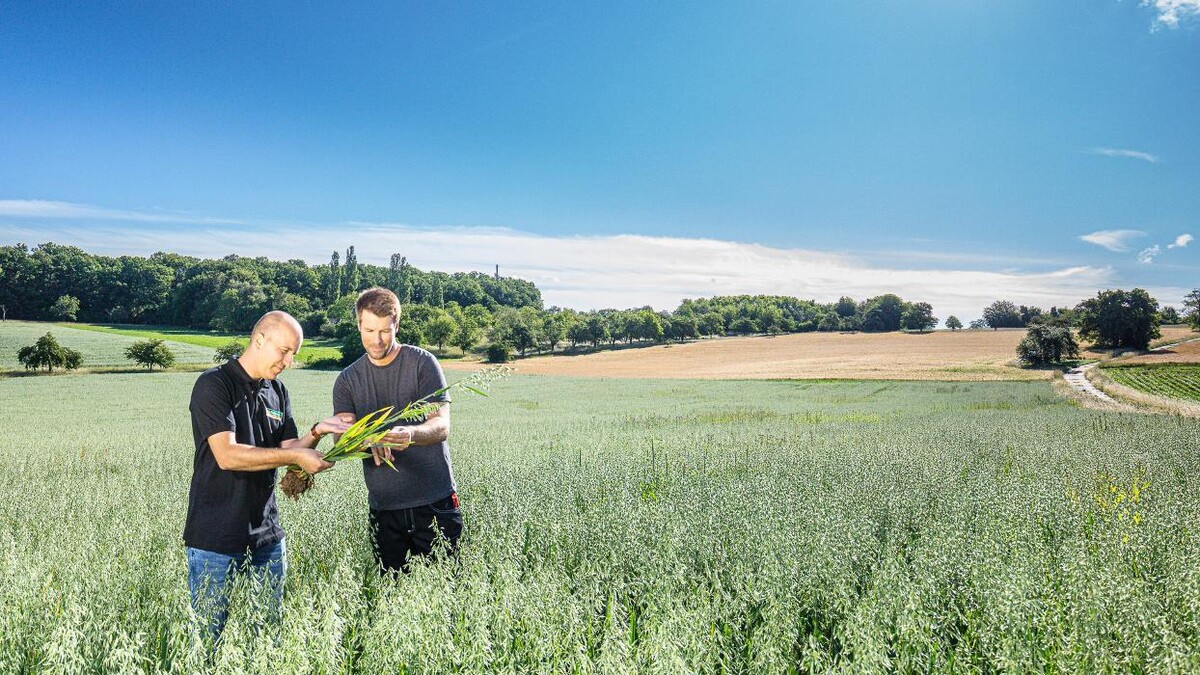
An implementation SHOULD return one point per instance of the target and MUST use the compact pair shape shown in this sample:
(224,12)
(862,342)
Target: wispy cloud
(1181,241)
(1147,255)
(37,208)
(1113,240)
(1132,154)
(1171,12)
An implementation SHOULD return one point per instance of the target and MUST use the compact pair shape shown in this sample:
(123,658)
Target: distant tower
(497,271)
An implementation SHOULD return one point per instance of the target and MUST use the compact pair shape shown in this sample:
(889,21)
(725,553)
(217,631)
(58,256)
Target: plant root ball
(295,483)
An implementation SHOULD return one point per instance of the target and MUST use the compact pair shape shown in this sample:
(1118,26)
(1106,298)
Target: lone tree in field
(150,353)
(1119,319)
(229,350)
(47,353)
(66,308)
(953,323)
(1046,343)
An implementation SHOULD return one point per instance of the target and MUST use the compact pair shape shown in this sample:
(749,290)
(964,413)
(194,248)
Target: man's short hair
(378,301)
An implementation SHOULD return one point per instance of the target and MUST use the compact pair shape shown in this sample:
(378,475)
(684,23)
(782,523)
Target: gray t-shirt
(423,474)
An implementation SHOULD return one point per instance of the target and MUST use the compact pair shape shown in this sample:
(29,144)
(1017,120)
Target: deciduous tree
(917,316)
(1046,344)
(65,308)
(1119,319)
(150,353)
(439,328)
(229,350)
(1191,308)
(466,334)
(1002,314)
(49,354)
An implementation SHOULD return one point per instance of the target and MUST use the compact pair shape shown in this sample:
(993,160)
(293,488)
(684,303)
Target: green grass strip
(312,350)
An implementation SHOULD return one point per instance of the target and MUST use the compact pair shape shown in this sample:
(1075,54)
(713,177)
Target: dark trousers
(399,535)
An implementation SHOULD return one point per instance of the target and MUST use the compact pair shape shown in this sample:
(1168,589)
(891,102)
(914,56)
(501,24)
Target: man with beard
(415,504)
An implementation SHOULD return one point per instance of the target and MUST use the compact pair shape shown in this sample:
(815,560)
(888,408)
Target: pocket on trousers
(445,508)
(447,518)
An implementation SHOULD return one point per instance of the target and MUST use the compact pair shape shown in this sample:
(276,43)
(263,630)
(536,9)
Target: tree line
(707,317)
(53,282)
(503,314)
(463,310)
(528,330)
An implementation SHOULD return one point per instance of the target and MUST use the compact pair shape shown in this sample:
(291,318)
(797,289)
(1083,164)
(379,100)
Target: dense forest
(228,294)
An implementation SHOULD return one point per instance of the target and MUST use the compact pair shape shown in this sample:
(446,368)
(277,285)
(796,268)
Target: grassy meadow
(315,348)
(103,345)
(99,349)
(635,526)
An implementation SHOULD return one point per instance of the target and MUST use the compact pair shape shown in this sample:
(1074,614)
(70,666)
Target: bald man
(243,430)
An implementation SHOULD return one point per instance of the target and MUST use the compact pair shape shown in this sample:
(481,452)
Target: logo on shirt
(274,414)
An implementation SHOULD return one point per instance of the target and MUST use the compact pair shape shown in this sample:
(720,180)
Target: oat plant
(370,430)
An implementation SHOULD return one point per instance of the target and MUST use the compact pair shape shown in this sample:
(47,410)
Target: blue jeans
(211,574)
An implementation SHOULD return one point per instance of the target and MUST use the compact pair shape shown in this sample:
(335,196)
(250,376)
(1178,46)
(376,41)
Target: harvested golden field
(973,355)
(940,355)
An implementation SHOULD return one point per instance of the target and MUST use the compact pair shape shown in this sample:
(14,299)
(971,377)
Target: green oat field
(620,526)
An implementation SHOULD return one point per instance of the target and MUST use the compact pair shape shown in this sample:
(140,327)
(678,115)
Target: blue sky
(622,154)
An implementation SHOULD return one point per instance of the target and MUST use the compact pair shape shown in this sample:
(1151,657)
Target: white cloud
(591,272)
(37,208)
(964,259)
(1181,241)
(1113,240)
(1146,256)
(1171,12)
(1133,154)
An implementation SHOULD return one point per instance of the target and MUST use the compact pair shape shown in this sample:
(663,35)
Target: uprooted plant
(370,430)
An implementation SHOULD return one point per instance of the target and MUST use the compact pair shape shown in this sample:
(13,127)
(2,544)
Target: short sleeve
(211,406)
(343,400)
(289,423)
(430,378)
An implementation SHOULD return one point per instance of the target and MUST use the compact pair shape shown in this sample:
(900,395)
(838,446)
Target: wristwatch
(315,434)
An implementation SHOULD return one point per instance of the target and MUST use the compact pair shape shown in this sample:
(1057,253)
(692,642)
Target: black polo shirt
(231,511)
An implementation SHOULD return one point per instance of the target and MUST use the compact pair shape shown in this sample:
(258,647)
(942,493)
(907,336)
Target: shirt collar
(234,369)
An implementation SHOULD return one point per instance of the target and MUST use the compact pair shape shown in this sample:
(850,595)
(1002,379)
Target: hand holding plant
(398,439)
(373,430)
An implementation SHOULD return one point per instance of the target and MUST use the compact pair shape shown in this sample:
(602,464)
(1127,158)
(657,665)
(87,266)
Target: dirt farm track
(938,355)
